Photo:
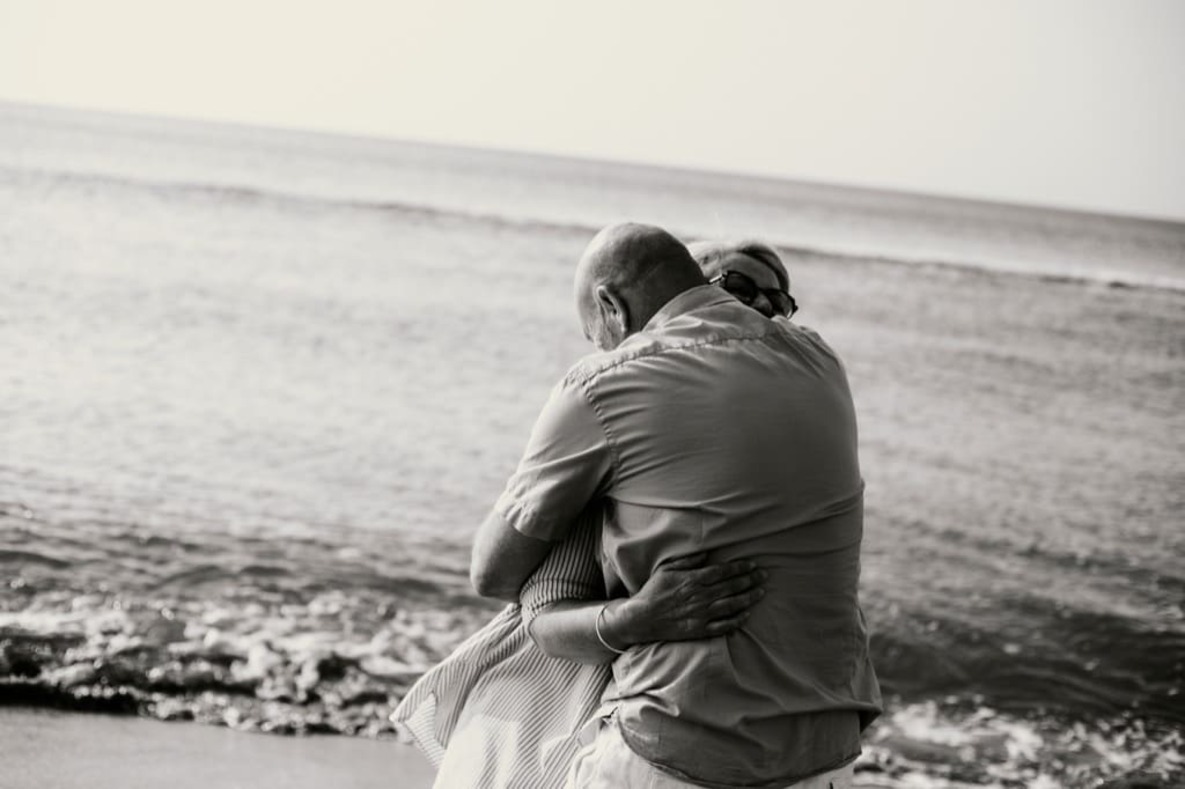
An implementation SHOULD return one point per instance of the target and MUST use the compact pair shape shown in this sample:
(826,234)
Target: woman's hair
(710,255)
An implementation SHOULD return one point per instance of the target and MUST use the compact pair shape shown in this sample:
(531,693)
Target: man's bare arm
(503,559)
(565,466)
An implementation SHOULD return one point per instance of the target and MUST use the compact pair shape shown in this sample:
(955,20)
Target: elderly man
(705,426)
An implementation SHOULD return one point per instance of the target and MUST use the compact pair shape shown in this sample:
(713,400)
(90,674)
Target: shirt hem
(773,783)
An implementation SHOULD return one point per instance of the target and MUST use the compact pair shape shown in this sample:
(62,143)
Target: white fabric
(498,712)
(608,763)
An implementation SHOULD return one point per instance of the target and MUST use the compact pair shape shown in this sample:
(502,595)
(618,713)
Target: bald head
(626,275)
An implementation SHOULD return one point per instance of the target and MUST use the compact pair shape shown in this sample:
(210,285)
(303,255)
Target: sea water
(257,387)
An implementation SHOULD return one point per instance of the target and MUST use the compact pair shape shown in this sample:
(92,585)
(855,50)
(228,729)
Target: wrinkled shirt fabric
(715,428)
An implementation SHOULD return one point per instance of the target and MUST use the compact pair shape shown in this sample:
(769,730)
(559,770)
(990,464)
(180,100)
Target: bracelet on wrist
(601,638)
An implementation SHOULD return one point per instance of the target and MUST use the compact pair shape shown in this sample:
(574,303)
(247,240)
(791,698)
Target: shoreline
(68,750)
(80,750)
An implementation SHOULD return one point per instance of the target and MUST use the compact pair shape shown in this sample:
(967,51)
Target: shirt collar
(688,300)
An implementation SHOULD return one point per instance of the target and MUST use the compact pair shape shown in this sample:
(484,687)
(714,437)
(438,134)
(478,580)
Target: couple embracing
(681,547)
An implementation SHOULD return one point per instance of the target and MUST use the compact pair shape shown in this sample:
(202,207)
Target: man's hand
(685,600)
(503,559)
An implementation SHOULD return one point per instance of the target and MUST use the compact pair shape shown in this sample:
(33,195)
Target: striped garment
(498,712)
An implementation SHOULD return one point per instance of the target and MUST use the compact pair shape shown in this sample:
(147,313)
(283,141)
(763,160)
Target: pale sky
(1078,103)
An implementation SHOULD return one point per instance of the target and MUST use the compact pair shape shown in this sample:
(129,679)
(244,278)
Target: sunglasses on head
(746,291)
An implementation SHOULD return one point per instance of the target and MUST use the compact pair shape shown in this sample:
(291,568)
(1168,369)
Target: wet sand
(43,748)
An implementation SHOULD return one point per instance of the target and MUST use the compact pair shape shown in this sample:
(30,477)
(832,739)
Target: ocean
(258,387)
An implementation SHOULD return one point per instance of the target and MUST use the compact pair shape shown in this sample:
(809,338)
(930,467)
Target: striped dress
(498,712)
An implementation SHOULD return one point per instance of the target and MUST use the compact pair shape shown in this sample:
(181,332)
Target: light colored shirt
(715,428)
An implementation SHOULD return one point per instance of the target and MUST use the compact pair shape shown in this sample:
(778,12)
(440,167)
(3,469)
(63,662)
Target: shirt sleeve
(565,466)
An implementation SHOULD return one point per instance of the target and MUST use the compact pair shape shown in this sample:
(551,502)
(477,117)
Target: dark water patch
(263,571)
(32,557)
(1067,661)
(406,586)
(27,655)
(15,509)
(1106,563)
(149,540)
(194,575)
(116,701)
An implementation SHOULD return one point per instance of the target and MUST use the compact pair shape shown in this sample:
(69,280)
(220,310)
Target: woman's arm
(683,600)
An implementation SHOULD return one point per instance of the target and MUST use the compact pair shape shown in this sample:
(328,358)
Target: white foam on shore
(923,745)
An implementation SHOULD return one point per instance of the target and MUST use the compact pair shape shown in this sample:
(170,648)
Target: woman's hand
(685,600)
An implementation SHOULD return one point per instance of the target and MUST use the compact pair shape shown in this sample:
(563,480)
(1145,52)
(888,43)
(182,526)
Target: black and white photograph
(771,394)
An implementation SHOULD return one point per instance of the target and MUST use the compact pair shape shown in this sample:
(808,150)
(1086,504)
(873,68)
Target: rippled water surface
(257,389)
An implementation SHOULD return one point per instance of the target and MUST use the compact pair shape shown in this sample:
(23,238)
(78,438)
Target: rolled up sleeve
(566,465)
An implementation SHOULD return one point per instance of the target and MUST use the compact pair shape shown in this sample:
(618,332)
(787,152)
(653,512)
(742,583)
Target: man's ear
(614,307)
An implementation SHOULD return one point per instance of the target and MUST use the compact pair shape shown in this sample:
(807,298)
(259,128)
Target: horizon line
(323,131)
